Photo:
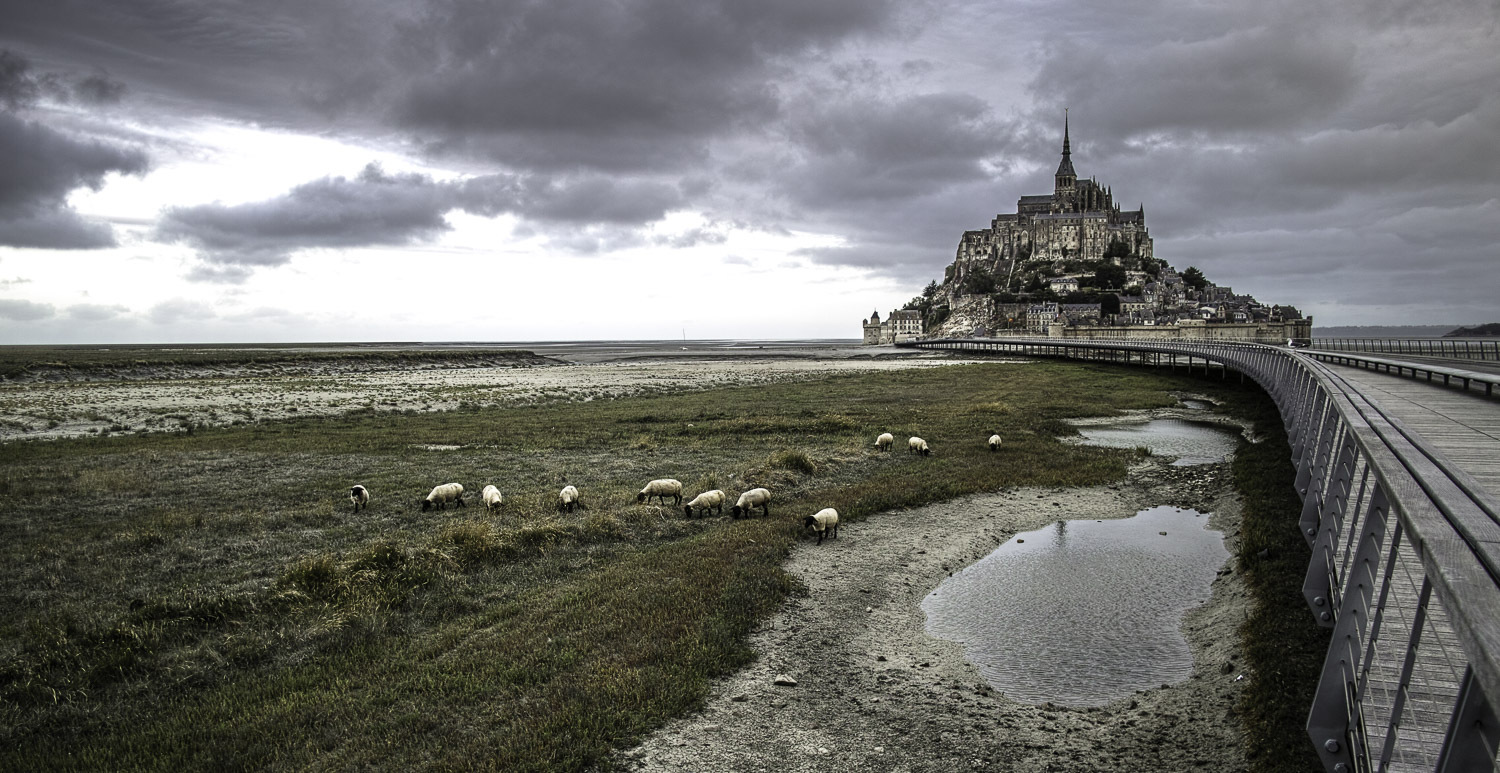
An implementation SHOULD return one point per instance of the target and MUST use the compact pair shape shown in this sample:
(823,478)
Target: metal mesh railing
(1451,348)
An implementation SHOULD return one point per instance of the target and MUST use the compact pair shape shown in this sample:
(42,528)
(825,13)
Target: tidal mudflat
(875,691)
(172,399)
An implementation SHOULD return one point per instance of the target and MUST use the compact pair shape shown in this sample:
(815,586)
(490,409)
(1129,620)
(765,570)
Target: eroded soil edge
(875,693)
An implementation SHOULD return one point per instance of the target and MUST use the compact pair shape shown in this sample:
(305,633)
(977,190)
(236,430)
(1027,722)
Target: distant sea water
(1384,331)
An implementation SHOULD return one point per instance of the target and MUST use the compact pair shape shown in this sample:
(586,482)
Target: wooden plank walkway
(1464,427)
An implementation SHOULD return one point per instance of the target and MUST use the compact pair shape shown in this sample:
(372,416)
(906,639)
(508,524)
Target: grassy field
(208,600)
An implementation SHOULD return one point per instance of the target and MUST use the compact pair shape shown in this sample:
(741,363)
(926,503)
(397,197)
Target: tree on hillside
(1194,278)
(978,282)
(1109,276)
(1116,249)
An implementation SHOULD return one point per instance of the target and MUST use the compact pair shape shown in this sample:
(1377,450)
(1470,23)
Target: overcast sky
(314,170)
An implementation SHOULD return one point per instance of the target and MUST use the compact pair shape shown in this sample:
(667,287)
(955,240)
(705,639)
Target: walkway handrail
(1452,348)
(1449,374)
(1414,600)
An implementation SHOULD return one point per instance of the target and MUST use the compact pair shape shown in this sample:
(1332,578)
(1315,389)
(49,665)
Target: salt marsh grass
(209,600)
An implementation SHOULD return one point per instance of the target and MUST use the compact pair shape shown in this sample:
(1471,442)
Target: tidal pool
(1082,612)
(1192,442)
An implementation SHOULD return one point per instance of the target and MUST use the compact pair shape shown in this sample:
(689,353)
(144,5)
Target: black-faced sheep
(492,498)
(824,522)
(567,499)
(661,489)
(712,499)
(994,442)
(360,496)
(883,443)
(917,445)
(756,497)
(442,495)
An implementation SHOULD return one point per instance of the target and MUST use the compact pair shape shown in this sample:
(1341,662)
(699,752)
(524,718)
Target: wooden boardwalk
(1464,427)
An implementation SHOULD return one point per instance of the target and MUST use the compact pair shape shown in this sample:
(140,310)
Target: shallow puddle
(1192,442)
(1082,612)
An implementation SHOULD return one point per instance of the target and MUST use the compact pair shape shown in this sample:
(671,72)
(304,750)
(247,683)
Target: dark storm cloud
(372,208)
(375,208)
(531,84)
(1242,81)
(868,151)
(21,85)
(43,167)
(647,81)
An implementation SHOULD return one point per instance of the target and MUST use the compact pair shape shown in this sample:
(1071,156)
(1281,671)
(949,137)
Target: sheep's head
(426,505)
(641,497)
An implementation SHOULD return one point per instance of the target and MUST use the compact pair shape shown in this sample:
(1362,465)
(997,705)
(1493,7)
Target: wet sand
(217,396)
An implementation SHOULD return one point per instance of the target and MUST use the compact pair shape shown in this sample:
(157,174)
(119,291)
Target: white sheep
(712,499)
(917,445)
(756,497)
(661,489)
(825,521)
(885,440)
(567,499)
(994,442)
(360,496)
(442,495)
(492,498)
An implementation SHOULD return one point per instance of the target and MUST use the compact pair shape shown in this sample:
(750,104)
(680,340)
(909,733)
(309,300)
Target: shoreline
(183,397)
(876,693)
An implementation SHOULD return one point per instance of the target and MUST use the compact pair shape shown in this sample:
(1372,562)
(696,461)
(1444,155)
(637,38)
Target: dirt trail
(874,692)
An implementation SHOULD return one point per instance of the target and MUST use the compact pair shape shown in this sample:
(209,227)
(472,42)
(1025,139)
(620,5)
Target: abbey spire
(1066,178)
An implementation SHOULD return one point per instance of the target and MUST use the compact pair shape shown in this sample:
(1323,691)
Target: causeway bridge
(1397,449)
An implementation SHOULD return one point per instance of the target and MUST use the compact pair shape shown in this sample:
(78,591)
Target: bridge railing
(1453,348)
(1405,561)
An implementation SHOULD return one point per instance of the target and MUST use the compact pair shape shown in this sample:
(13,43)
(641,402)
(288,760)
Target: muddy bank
(874,692)
(165,370)
(241,394)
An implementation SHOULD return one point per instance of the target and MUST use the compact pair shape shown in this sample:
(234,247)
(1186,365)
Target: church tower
(1065,193)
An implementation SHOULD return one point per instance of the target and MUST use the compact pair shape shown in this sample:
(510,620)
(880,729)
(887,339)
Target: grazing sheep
(756,497)
(661,489)
(825,521)
(442,495)
(712,499)
(567,499)
(917,445)
(883,443)
(491,497)
(360,496)
(994,442)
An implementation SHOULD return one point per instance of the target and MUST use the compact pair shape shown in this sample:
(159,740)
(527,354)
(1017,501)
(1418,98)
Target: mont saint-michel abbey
(1079,219)
(1073,264)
